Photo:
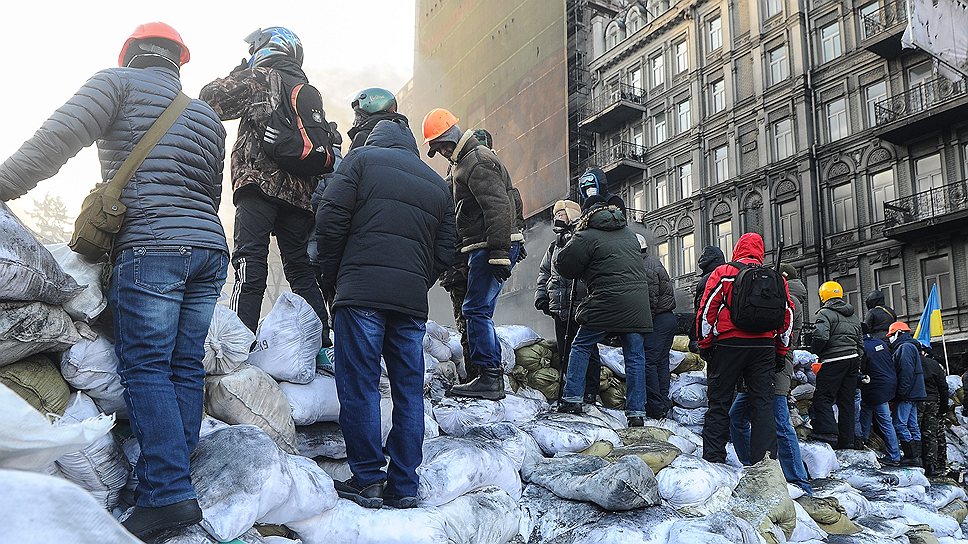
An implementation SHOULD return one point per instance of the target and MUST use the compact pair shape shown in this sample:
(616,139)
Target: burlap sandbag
(829,515)
(250,396)
(546,381)
(614,396)
(38,381)
(680,342)
(641,435)
(921,534)
(656,454)
(955,509)
(761,498)
(534,356)
(691,362)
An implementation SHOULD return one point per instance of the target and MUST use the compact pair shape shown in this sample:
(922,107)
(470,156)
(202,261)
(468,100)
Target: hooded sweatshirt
(711,258)
(879,316)
(714,322)
(838,335)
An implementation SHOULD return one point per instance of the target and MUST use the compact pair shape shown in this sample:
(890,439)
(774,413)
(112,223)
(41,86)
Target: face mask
(561,224)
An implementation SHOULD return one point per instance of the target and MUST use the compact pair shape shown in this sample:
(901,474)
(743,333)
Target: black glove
(244,65)
(693,346)
(543,306)
(523,253)
(707,354)
(501,272)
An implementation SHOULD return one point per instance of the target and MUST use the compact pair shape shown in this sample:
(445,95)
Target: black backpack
(758,302)
(297,136)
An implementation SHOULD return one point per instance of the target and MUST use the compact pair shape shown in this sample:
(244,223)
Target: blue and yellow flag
(930,323)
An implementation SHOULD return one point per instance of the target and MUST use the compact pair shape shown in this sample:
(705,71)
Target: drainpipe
(819,228)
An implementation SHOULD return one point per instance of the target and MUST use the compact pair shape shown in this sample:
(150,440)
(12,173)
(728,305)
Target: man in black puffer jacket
(388,220)
(712,258)
(879,316)
(169,258)
(662,300)
(931,416)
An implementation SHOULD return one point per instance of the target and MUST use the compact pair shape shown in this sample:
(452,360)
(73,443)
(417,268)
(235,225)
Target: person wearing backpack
(269,199)
(168,259)
(744,325)
(838,342)
(879,316)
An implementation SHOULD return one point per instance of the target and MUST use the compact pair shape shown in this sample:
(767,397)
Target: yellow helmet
(829,290)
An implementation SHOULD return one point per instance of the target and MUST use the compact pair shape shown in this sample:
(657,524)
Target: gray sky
(53,47)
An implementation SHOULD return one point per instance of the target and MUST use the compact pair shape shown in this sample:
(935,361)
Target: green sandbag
(600,448)
(546,381)
(761,498)
(956,509)
(656,454)
(680,342)
(959,396)
(274,530)
(533,357)
(802,431)
(38,381)
(614,396)
(633,436)
(829,515)
(604,378)
(690,363)
(921,534)
(519,376)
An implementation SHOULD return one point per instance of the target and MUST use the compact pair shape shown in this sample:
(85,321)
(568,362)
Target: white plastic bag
(227,343)
(690,481)
(439,349)
(288,340)
(100,468)
(613,359)
(819,458)
(92,366)
(518,336)
(626,484)
(89,303)
(560,433)
(28,272)
(453,467)
(690,396)
(313,402)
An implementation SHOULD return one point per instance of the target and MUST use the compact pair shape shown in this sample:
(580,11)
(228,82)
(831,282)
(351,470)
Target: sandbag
(613,359)
(626,484)
(761,498)
(907,476)
(830,516)
(313,402)
(922,534)
(942,524)
(90,302)
(691,362)
(680,342)
(250,396)
(437,348)
(507,354)
(657,455)
(640,435)
(691,418)
(227,343)
(803,392)
(613,396)
(195,534)
(28,272)
(242,477)
(940,495)
(557,433)
(819,458)
(456,350)
(857,458)
(545,516)
(956,510)
(954,384)
(690,396)
(100,468)
(42,508)
(455,415)
(488,516)
(518,445)
(690,481)
(518,336)
(807,529)
(716,528)
(288,339)
(28,440)
(321,440)
(37,381)
(92,366)
(519,409)
(454,466)
(643,526)
(533,357)
(545,380)
(867,480)
(28,328)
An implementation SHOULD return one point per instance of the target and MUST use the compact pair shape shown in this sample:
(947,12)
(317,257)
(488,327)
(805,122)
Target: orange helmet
(898,326)
(155,30)
(437,122)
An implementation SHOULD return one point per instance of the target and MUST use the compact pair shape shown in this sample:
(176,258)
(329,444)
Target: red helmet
(155,30)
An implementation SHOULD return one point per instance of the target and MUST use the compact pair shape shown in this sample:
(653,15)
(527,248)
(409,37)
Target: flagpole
(944,345)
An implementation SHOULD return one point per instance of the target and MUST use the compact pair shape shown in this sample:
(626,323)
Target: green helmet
(374,100)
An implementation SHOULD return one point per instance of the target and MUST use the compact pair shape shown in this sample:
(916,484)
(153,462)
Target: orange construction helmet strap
(155,30)
(437,122)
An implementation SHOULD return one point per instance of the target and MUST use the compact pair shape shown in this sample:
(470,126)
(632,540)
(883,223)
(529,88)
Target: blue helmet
(274,41)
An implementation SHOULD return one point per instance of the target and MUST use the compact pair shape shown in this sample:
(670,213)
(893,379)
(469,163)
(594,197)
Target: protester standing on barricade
(910,390)
(490,236)
(931,416)
(879,315)
(877,365)
(370,106)
(388,220)
(658,343)
(711,258)
(169,257)
(269,200)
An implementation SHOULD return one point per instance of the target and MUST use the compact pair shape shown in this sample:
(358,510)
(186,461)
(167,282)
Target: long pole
(562,352)
(944,346)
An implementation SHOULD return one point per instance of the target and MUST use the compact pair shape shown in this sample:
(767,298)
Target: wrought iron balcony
(927,107)
(620,161)
(612,108)
(883,29)
(908,217)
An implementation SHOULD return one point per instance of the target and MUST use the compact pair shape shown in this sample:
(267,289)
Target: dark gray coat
(662,295)
(553,287)
(798,293)
(838,334)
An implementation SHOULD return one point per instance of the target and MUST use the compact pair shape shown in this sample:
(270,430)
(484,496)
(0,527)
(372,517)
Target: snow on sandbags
(28,440)
(691,481)
(288,339)
(313,402)
(28,272)
(942,524)
(866,480)
(90,302)
(100,468)
(716,528)
(626,484)
(36,380)
(28,328)
(488,516)
(517,336)
(545,516)
(819,458)
(92,366)
(761,498)
(690,396)
(940,495)
(42,508)
(568,433)
(227,343)
(242,477)
(643,526)
(250,396)
(455,415)
(453,467)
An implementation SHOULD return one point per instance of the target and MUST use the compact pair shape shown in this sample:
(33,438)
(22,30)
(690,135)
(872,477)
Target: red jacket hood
(749,246)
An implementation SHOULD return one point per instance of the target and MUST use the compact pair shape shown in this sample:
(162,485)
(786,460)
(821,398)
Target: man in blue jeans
(910,391)
(388,224)
(170,255)
(877,365)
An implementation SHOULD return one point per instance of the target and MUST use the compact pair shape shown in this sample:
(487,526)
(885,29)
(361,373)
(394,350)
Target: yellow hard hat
(829,290)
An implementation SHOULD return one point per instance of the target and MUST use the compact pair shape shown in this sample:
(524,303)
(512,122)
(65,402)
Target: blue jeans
(882,413)
(906,421)
(362,335)
(163,299)
(657,346)
(633,349)
(857,409)
(478,309)
(787,444)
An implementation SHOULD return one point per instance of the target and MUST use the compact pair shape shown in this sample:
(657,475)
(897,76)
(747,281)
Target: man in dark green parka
(604,254)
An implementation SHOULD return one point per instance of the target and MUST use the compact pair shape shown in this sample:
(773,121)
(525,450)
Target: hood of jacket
(874,299)
(604,218)
(840,306)
(749,246)
(798,289)
(393,134)
(711,258)
(905,338)
(373,120)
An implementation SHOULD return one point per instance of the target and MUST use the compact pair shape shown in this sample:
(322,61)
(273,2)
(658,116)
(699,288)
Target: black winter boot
(565,407)
(147,521)
(916,452)
(907,459)
(489,385)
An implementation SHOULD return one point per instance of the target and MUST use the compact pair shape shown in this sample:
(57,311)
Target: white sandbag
(954,383)
(819,458)
(803,358)
(607,417)
(435,330)
(90,302)
(804,391)
(717,528)
(643,526)
(195,534)
(227,343)
(242,477)
(678,381)
(131,450)
(531,393)
(519,409)
(626,484)
(28,440)
(313,402)
(210,425)
(321,440)
(866,480)
(677,430)
(940,495)
(690,481)
(42,508)
(28,328)
(439,349)
(908,476)
(456,466)
(546,516)
(518,445)
(431,428)
(690,396)
(92,366)
(28,272)
(940,523)
(455,415)
(100,468)
(250,396)
(857,458)
(488,516)
(689,417)
(613,359)
(676,358)
(507,356)
(854,504)
(430,367)
(518,336)
(456,350)
(558,433)
(288,339)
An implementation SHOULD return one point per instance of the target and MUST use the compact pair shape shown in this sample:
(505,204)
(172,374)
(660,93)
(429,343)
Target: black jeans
(594,373)
(836,383)
(256,218)
(657,346)
(753,360)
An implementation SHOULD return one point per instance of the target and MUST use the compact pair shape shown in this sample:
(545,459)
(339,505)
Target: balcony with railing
(930,106)
(611,108)
(882,29)
(909,217)
(620,161)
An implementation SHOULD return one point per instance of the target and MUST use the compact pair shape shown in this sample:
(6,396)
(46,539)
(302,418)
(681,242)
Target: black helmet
(272,42)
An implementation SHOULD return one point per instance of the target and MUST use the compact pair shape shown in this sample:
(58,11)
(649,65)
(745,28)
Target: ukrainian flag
(930,323)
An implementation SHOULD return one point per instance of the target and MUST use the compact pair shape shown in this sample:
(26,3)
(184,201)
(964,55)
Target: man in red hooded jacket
(733,353)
